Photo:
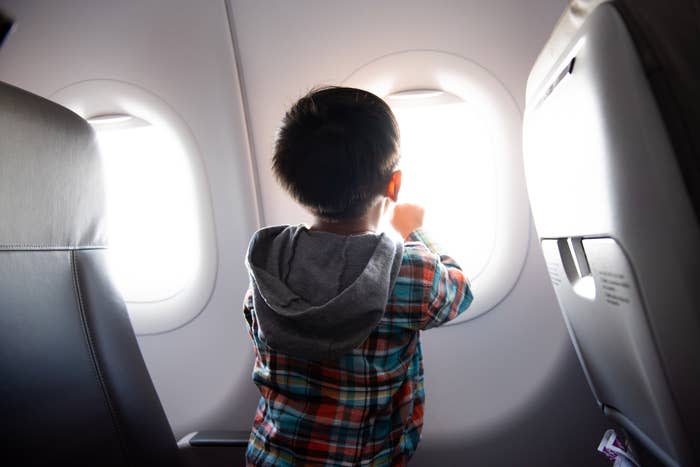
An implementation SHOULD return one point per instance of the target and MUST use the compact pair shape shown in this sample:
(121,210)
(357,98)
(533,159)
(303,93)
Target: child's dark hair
(336,151)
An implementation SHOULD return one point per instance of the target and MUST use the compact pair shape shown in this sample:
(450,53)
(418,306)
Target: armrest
(216,438)
(214,448)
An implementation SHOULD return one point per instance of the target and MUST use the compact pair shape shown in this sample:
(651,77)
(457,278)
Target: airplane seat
(612,162)
(74,389)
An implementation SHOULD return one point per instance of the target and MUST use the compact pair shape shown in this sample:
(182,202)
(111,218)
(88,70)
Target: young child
(335,309)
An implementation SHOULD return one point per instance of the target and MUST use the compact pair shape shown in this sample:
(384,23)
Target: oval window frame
(466,79)
(103,96)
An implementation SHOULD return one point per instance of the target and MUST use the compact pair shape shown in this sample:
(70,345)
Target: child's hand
(406,218)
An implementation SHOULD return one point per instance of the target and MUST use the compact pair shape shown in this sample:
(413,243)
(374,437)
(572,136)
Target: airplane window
(163,248)
(151,208)
(461,147)
(448,166)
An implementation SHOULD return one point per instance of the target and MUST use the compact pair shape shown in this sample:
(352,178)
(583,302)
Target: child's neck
(349,227)
(361,225)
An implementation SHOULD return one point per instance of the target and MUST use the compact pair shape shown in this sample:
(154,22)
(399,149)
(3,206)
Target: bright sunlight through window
(448,167)
(153,229)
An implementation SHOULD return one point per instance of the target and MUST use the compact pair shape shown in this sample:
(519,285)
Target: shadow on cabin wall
(542,434)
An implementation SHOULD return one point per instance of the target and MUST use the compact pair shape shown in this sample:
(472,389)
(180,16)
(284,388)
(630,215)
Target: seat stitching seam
(93,356)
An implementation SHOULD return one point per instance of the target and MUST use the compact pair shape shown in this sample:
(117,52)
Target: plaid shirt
(367,407)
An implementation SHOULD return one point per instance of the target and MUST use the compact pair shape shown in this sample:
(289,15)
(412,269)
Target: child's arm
(447,292)
(434,285)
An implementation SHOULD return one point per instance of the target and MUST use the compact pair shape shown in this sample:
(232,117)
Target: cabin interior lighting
(150,207)
(448,167)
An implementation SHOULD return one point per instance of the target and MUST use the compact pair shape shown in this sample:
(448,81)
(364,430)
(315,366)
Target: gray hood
(318,295)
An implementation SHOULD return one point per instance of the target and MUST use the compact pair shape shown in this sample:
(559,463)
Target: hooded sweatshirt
(318,295)
(335,322)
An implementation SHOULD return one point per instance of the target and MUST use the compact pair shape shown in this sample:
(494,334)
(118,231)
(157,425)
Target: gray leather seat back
(612,183)
(74,389)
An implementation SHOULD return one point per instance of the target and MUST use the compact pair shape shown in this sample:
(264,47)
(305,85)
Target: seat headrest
(51,180)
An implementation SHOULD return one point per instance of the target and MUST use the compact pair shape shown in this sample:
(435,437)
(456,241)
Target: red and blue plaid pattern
(367,407)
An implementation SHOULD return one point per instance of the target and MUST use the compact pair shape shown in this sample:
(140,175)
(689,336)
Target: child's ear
(394,186)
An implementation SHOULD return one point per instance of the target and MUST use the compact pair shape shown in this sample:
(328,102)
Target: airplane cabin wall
(506,387)
(502,389)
